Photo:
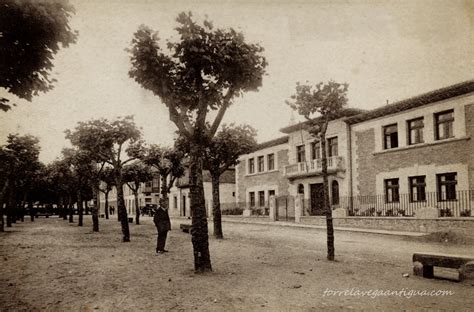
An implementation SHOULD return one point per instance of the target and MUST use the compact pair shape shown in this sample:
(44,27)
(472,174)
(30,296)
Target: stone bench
(186,228)
(423,264)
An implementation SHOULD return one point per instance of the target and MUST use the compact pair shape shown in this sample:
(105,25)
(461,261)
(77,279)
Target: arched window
(335,192)
(300,189)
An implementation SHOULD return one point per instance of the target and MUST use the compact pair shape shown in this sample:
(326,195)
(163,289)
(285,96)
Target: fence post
(272,204)
(298,207)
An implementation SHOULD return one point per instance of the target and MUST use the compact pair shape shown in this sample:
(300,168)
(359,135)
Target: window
(300,153)
(260,163)
(390,135)
(175,202)
(316,150)
(335,192)
(251,165)
(252,199)
(446,186)
(271,161)
(444,125)
(147,200)
(300,189)
(233,194)
(271,193)
(261,198)
(332,147)
(155,185)
(415,131)
(392,191)
(417,188)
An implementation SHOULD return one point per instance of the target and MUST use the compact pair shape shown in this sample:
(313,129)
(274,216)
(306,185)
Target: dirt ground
(51,265)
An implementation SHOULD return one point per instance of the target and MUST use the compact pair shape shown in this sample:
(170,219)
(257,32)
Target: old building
(415,153)
(260,174)
(179,200)
(396,160)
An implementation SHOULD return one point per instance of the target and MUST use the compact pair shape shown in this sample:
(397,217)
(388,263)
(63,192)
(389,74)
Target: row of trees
(204,71)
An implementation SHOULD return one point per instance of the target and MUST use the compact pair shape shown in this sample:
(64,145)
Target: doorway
(317,199)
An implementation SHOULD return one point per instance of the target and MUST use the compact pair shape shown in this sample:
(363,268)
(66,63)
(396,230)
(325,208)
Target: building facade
(259,175)
(391,161)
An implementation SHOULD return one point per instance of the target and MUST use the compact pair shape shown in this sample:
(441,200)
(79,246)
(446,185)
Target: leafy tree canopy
(325,99)
(30,35)
(228,144)
(135,174)
(166,160)
(107,140)
(204,70)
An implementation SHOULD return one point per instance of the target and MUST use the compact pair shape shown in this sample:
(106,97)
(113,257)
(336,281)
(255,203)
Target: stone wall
(460,225)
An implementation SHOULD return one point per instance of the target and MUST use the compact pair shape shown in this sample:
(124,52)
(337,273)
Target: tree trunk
(200,236)
(137,208)
(95,209)
(216,207)
(122,211)
(327,206)
(164,192)
(2,200)
(30,208)
(86,205)
(106,206)
(71,209)
(10,206)
(80,208)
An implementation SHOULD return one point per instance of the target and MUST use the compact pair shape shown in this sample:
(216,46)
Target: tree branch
(221,112)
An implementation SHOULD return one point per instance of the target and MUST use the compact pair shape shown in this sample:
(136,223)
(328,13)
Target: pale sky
(385,50)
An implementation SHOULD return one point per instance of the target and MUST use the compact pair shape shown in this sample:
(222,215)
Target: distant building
(179,200)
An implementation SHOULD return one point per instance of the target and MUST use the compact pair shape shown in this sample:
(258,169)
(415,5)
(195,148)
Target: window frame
(392,191)
(252,199)
(260,163)
(315,150)
(419,186)
(332,148)
(412,127)
(261,198)
(450,194)
(389,135)
(300,153)
(251,165)
(447,124)
(271,162)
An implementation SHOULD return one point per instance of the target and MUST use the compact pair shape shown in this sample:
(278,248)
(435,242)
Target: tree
(204,71)
(83,174)
(108,141)
(21,161)
(327,100)
(223,152)
(168,162)
(133,176)
(107,177)
(31,34)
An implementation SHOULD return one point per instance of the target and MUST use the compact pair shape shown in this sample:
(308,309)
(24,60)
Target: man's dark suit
(163,225)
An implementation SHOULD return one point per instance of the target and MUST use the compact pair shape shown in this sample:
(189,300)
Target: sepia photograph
(236,155)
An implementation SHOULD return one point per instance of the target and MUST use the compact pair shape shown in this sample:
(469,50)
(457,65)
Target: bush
(233,211)
(465,213)
(389,213)
(445,212)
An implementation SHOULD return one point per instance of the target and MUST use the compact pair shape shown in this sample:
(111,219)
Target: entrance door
(183,204)
(317,199)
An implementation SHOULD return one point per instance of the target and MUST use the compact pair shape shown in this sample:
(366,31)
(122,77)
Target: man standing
(163,225)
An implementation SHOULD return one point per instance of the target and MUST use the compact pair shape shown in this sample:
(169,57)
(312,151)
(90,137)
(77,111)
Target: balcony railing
(314,167)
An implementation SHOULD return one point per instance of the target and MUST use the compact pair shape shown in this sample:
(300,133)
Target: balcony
(314,167)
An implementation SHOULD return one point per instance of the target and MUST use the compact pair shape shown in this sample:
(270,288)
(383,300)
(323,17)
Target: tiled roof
(347,112)
(417,101)
(274,142)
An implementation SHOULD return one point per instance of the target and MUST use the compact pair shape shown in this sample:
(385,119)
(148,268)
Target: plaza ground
(51,265)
